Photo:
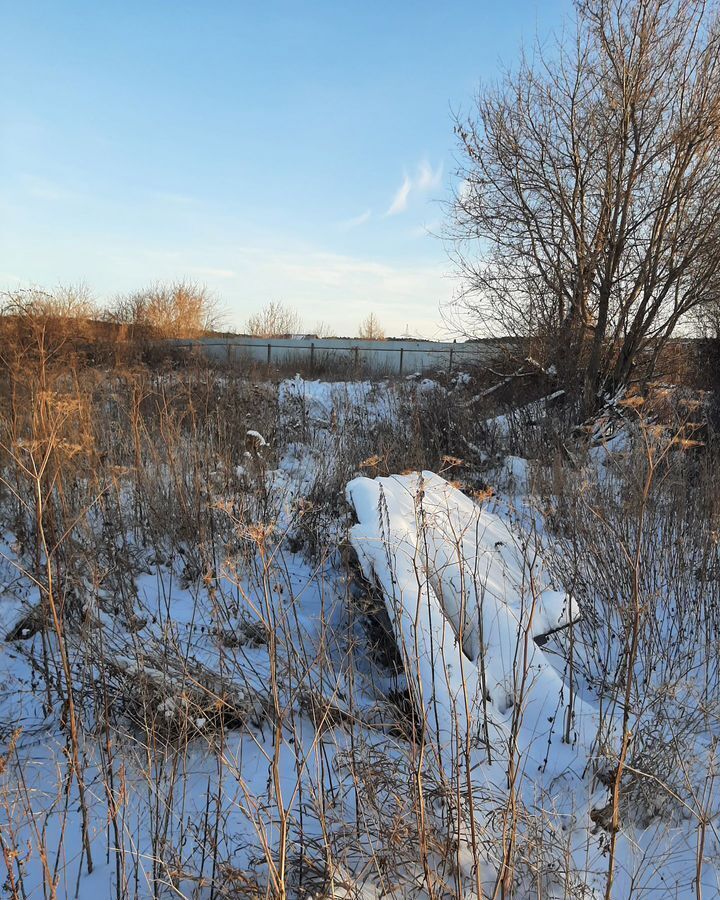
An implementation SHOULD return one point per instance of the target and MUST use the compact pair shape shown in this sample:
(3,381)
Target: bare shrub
(637,547)
(182,309)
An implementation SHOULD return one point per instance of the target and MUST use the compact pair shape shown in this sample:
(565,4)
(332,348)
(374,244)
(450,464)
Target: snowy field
(358,640)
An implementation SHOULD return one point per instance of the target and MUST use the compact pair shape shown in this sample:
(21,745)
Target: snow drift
(467,597)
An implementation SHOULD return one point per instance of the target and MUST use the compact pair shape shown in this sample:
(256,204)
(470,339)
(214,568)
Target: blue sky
(287,151)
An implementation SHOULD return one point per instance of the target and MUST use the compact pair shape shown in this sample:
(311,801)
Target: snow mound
(467,598)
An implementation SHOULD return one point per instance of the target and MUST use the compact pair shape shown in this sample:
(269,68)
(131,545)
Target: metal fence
(392,357)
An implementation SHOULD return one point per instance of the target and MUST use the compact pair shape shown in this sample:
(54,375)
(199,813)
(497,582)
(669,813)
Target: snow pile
(467,598)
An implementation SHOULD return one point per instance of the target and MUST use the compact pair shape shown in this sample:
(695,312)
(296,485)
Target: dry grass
(119,480)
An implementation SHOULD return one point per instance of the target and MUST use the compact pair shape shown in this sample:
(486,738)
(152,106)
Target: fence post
(357,358)
(269,353)
(450,363)
(312,356)
(402,351)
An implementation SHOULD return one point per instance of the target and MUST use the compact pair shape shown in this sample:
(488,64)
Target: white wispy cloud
(356,221)
(400,200)
(428,179)
(425,179)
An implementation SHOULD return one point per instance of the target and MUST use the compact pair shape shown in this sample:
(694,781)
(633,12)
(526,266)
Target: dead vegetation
(157,556)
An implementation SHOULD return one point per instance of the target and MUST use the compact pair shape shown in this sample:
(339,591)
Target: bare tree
(274,320)
(370,329)
(589,207)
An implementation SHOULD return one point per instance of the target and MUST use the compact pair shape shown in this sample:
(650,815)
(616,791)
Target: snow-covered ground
(385,691)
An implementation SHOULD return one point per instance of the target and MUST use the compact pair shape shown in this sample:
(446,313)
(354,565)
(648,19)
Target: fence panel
(391,357)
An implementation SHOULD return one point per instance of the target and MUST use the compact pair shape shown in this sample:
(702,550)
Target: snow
(461,587)
(466,596)
(469,598)
(515,474)
(257,438)
(528,415)
(430,386)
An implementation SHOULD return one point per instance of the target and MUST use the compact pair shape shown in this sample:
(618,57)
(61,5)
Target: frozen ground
(395,715)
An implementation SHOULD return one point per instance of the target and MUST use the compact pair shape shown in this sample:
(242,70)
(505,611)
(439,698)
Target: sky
(297,152)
